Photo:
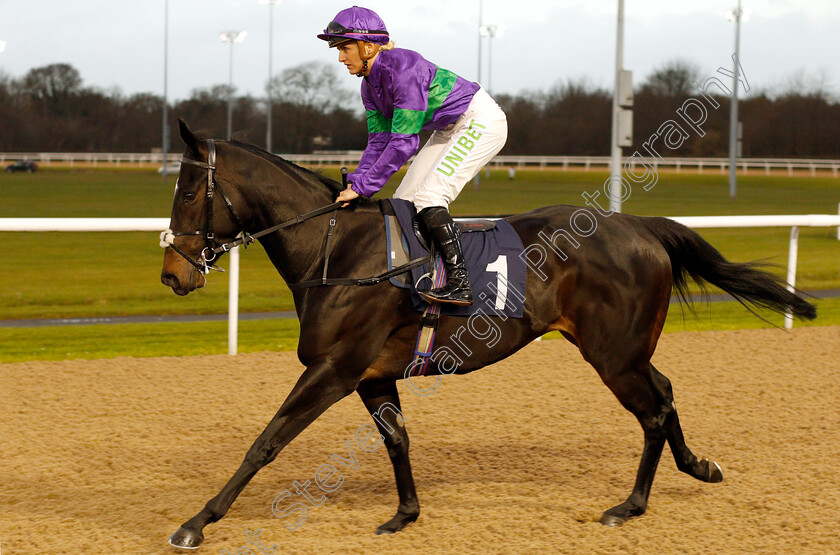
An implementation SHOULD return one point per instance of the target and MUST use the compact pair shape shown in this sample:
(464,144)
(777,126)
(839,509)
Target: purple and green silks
(403,95)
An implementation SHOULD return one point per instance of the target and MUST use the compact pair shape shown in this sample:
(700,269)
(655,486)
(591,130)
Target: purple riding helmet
(355,24)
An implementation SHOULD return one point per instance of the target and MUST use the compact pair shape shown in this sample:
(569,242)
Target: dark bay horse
(609,297)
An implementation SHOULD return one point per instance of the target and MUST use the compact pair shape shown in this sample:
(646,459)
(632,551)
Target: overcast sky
(120,44)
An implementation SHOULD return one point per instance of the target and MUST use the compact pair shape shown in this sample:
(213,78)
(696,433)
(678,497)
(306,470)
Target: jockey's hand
(346,196)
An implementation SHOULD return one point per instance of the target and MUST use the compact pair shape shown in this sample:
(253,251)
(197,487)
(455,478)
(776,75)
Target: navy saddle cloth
(497,273)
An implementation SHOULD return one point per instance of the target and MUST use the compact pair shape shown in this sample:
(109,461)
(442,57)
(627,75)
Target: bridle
(213,247)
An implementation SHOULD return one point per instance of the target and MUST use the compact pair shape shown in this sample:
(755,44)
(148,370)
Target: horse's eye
(189,197)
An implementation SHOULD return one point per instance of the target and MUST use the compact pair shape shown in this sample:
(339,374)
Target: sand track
(110,456)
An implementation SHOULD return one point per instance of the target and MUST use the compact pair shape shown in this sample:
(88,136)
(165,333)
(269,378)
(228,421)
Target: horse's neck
(279,196)
(284,196)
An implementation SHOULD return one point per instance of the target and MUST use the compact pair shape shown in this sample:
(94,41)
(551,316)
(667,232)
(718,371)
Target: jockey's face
(348,54)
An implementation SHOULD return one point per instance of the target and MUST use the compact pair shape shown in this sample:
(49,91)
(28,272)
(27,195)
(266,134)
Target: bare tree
(311,102)
(313,85)
(53,82)
(802,83)
(49,109)
(676,78)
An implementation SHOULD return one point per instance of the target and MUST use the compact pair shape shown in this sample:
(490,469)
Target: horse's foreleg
(382,401)
(317,389)
(687,462)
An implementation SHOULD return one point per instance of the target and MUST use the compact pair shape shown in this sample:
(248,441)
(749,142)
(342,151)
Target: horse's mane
(288,167)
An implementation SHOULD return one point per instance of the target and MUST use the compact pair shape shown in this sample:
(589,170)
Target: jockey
(403,94)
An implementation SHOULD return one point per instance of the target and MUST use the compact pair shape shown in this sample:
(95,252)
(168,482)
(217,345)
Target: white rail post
(791,274)
(838,227)
(233,300)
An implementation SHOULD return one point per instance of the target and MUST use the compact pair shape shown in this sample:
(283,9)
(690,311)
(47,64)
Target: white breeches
(454,155)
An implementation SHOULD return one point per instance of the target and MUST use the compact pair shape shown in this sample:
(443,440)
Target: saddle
(467,226)
(398,248)
(492,250)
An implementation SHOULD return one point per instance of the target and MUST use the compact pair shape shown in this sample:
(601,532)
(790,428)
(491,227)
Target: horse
(609,298)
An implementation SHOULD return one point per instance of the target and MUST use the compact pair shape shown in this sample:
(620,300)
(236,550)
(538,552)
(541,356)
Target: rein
(213,247)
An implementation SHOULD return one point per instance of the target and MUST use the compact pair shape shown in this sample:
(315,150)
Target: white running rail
(159,224)
(351,157)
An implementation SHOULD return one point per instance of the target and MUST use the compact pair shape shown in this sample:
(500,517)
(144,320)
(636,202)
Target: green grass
(674,194)
(76,275)
(733,316)
(183,339)
(86,193)
(144,340)
(73,275)
(135,193)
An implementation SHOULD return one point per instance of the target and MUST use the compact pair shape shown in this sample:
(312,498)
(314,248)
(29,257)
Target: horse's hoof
(713,472)
(612,520)
(400,521)
(186,539)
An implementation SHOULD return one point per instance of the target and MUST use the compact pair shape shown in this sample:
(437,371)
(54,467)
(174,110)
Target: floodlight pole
(615,150)
(231,37)
(491,31)
(480,10)
(271,4)
(270,47)
(477,178)
(165,138)
(733,113)
(490,64)
(230,95)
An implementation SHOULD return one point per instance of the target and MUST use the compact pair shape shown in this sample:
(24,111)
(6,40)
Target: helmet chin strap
(365,57)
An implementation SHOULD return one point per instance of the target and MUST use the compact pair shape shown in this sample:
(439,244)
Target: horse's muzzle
(171,280)
(182,277)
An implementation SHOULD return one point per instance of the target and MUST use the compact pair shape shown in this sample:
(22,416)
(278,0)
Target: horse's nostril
(170,280)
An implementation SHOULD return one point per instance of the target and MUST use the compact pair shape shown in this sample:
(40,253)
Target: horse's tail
(691,255)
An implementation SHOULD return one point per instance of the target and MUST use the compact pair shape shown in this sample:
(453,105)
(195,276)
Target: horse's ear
(188,136)
(243,136)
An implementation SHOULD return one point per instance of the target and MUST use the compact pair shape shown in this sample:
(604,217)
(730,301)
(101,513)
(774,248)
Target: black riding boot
(445,236)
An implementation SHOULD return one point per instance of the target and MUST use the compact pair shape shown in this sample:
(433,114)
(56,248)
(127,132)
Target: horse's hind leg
(687,462)
(648,395)
(382,401)
(639,397)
